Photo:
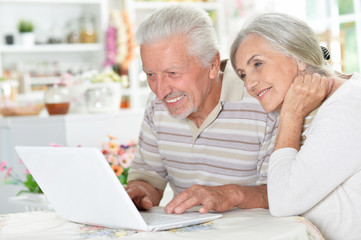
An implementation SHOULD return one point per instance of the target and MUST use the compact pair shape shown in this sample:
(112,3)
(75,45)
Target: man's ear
(214,68)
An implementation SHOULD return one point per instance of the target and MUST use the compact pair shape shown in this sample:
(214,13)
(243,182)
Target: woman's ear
(214,68)
(301,66)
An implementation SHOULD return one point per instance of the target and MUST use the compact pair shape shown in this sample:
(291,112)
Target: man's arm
(219,198)
(143,194)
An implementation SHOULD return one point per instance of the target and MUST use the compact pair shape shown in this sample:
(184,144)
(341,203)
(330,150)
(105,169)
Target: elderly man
(201,132)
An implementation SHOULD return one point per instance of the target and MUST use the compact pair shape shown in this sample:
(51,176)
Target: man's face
(177,79)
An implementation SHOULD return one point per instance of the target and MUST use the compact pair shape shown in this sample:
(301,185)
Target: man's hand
(219,198)
(144,195)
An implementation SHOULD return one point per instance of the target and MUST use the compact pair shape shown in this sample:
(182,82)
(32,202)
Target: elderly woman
(316,172)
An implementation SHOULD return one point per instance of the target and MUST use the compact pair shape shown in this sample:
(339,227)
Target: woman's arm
(299,180)
(305,94)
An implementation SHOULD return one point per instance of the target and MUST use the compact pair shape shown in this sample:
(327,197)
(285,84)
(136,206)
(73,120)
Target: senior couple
(273,127)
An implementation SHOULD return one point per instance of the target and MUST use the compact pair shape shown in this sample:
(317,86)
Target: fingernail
(168,209)
(178,210)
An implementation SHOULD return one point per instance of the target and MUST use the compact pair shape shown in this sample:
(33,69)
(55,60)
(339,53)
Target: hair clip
(326,53)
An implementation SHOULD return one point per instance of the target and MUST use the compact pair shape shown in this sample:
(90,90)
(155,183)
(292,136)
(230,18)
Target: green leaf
(32,185)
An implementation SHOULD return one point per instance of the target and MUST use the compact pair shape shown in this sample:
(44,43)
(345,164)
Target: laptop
(81,186)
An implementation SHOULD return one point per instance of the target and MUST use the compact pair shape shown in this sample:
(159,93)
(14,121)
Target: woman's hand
(306,93)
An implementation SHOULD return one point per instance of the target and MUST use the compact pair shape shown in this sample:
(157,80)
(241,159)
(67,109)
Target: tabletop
(254,224)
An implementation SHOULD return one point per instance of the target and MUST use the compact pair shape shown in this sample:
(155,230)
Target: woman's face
(267,73)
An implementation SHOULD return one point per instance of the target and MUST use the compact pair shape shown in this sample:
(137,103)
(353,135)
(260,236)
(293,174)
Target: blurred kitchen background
(70,69)
(44,42)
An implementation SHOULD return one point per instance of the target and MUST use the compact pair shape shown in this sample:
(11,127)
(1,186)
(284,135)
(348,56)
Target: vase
(103,97)
(57,99)
(32,202)
(27,39)
(99,99)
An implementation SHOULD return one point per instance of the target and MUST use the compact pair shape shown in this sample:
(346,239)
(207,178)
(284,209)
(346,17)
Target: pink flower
(8,173)
(112,159)
(133,150)
(132,143)
(55,145)
(113,147)
(121,151)
(126,159)
(2,166)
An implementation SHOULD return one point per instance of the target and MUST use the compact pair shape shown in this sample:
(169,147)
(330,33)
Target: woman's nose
(251,84)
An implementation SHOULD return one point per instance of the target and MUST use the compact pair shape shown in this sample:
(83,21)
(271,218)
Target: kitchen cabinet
(43,63)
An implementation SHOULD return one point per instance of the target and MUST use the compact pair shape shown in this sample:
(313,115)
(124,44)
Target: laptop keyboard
(156,218)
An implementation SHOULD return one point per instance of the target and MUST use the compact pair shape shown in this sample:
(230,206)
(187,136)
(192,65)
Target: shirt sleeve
(298,180)
(266,148)
(147,165)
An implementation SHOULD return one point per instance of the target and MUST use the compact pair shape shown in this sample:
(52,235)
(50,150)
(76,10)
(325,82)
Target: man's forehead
(165,68)
(163,65)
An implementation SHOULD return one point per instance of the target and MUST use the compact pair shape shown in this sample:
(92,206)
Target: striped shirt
(232,145)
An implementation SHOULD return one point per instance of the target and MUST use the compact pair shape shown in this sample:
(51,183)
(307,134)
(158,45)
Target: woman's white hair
(182,20)
(290,36)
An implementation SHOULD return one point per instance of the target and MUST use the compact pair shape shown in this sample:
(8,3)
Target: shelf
(131,91)
(151,5)
(52,48)
(43,80)
(53,1)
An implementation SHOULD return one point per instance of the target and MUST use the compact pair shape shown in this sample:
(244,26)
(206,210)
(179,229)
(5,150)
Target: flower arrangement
(11,177)
(120,157)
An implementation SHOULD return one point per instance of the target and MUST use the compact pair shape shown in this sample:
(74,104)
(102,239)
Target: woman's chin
(270,109)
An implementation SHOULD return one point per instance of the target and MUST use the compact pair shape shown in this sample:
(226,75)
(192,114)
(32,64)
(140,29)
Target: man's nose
(163,87)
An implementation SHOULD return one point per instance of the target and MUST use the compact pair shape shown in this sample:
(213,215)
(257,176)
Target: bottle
(57,99)
(99,99)
(73,34)
(87,33)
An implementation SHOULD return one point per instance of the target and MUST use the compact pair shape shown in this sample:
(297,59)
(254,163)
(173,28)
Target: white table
(254,224)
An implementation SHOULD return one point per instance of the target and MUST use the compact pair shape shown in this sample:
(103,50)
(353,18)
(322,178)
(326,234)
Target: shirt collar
(232,85)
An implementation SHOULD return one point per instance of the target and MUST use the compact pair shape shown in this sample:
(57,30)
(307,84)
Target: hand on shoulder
(306,93)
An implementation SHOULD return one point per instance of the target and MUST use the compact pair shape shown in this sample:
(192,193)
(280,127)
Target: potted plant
(26,30)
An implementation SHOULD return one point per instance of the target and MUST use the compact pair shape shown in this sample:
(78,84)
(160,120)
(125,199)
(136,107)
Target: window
(338,25)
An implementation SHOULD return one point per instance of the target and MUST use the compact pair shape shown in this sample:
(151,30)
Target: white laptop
(82,187)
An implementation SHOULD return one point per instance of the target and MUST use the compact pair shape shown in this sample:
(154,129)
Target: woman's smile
(262,93)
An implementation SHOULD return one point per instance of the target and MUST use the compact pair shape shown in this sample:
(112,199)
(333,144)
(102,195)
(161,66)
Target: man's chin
(181,114)
(178,115)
